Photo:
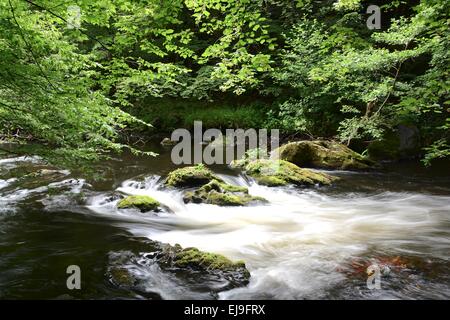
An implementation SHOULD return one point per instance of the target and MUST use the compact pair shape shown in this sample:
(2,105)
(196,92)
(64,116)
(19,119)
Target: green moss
(250,155)
(143,203)
(322,154)
(194,176)
(222,187)
(280,172)
(270,181)
(212,189)
(121,277)
(192,257)
(239,164)
(168,142)
(229,199)
(221,197)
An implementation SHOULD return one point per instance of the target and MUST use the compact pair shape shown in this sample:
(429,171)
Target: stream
(311,243)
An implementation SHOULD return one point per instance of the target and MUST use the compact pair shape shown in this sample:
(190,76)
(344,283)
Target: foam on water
(294,245)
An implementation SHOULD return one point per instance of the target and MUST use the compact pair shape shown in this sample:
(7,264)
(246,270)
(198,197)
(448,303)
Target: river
(304,244)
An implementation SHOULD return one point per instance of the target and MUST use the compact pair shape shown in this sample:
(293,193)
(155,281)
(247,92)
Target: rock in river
(211,189)
(194,176)
(322,154)
(221,194)
(143,203)
(279,173)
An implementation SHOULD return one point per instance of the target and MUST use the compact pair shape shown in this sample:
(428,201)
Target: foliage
(318,68)
(358,85)
(46,92)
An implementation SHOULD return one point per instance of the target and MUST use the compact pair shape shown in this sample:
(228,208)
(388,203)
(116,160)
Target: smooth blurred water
(304,244)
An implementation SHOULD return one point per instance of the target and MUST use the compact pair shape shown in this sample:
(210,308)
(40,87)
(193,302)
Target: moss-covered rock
(168,142)
(221,198)
(41,177)
(213,272)
(211,189)
(143,203)
(280,172)
(121,276)
(194,176)
(249,156)
(239,163)
(195,259)
(223,187)
(322,154)
(221,194)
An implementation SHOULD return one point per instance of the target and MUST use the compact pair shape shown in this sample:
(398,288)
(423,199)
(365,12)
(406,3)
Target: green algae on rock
(211,189)
(215,271)
(168,142)
(195,259)
(194,176)
(121,277)
(280,172)
(322,154)
(249,155)
(221,194)
(143,203)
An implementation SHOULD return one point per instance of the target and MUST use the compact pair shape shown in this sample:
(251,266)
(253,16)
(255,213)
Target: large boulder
(221,194)
(142,203)
(401,143)
(279,173)
(322,154)
(194,176)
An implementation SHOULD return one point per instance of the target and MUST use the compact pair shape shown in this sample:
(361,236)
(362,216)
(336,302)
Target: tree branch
(59,17)
(30,48)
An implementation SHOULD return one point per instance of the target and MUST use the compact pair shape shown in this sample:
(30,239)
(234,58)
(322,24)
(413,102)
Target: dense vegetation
(310,68)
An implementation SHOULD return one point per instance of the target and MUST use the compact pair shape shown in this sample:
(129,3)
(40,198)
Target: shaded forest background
(309,68)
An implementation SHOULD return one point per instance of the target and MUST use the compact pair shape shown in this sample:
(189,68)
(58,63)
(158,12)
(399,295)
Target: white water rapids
(295,245)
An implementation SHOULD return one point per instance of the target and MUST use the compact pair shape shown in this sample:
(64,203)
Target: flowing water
(304,244)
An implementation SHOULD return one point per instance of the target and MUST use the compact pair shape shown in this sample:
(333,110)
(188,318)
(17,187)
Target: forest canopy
(313,67)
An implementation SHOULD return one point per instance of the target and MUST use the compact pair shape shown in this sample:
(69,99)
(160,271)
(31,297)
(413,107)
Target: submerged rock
(41,177)
(322,154)
(121,277)
(194,176)
(143,203)
(168,142)
(202,274)
(279,173)
(221,194)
